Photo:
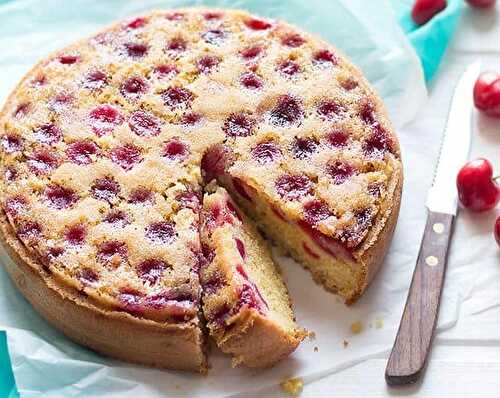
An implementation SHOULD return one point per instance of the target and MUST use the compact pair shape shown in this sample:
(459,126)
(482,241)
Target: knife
(418,323)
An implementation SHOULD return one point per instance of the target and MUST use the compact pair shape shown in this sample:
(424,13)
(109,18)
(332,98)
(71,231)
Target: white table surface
(465,360)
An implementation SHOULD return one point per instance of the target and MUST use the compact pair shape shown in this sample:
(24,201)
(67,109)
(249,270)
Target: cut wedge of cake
(245,302)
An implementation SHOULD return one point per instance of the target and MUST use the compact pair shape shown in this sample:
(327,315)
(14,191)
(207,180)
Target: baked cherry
(61,102)
(257,24)
(241,248)
(21,110)
(481,3)
(116,218)
(251,81)
(165,70)
(95,80)
(176,97)
(175,16)
(87,275)
(136,23)
(30,230)
(207,64)
(10,174)
(81,152)
(75,235)
(287,111)
(112,252)
(60,197)
(251,52)
(288,67)
(293,186)
(497,230)
(316,211)
(378,143)
(175,150)
(144,124)
(214,162)
(238,125)
(304,147)
(161,232)
(12,143)
(337,138)
(243,189)
(176,46)
(212,15)
(349,84)
(266,152)
(68,59)
(151,270)
(133,87)
(105,189)
(292,40)
(324,57)
(131,301)
(104,118)
(189,199)
(47,134)
(126,156)
(477,190)
(141,195)
(487,93)
(191,119)
(15,205)
(340,171)
(213,36)
(424,10)
(136,50)
(330,109)
(43,161)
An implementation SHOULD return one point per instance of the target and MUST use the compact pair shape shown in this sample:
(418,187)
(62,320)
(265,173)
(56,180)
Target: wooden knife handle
(418,323)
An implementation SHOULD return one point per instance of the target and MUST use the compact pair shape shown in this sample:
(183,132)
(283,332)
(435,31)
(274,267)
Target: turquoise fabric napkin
(430,40)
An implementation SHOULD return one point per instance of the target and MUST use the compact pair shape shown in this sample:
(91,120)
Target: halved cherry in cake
(249,296)
(316,211)
(81,152)
(330,109)
(328,244)
(144,124)
(309,251)
(353,235)
(12,142)
(288,67)
(11,174)
(136,50)
(287,111)
(22,110)
(104,118)
(105,189)
(76,234)
(95,80)
(151,270)
(239,125)
(243,189)
(43,161)
(258,24)
(304,147)
(61,102)
(39,80)
(212,15)
(175,16)
(136,23)
(131,301)
(214,36)
(176,97)
(251,52)
(176,46)
(241,248)
(30,230)
(126,156)
(379,142)
(278,213)
(367,111)
(175,150)
(191,119)
(349,84)
(112,252)
(165,70)
(47,133)
(251,81)
(141,195)
(178,307)
(324,57)
(52,254)
(87,275)
(161,232)
(117,218)
(68,59)
(375,189)
(337,139)
(292,40)
(294,186)
(15,205)
(340,171)
(215,161)
(207,63)
(60,197)
(266,152)
(189,199)
(134,87)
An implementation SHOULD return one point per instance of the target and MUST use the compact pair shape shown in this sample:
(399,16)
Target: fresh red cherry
(487,93)
(497,230)
(481,3)
(477,189)
(424,10)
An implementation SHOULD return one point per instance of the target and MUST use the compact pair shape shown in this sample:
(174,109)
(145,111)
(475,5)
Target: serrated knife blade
(442,196)
(418,322)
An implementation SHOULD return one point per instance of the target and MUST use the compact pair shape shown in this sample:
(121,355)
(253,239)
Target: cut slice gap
(245,301)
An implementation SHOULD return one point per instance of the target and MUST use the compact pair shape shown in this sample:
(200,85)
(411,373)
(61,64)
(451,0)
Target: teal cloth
(430,40)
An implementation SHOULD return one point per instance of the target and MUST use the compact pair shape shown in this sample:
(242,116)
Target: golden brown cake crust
(111,333)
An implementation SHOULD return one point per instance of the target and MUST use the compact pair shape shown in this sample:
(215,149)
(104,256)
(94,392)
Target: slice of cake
(245,301)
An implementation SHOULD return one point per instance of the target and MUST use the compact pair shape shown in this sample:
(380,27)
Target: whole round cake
(138,167)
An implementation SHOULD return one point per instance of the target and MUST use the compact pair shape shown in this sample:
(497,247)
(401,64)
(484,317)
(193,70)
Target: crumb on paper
(293,386)
(316,349)
(356,327)
(379,323)
(345,343)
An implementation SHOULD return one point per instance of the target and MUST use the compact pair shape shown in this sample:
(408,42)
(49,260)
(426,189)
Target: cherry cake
(125,161)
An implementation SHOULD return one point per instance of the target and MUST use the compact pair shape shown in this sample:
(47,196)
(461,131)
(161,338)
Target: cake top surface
(102,142)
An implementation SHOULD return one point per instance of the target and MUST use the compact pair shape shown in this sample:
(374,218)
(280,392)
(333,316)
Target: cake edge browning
(111,333)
